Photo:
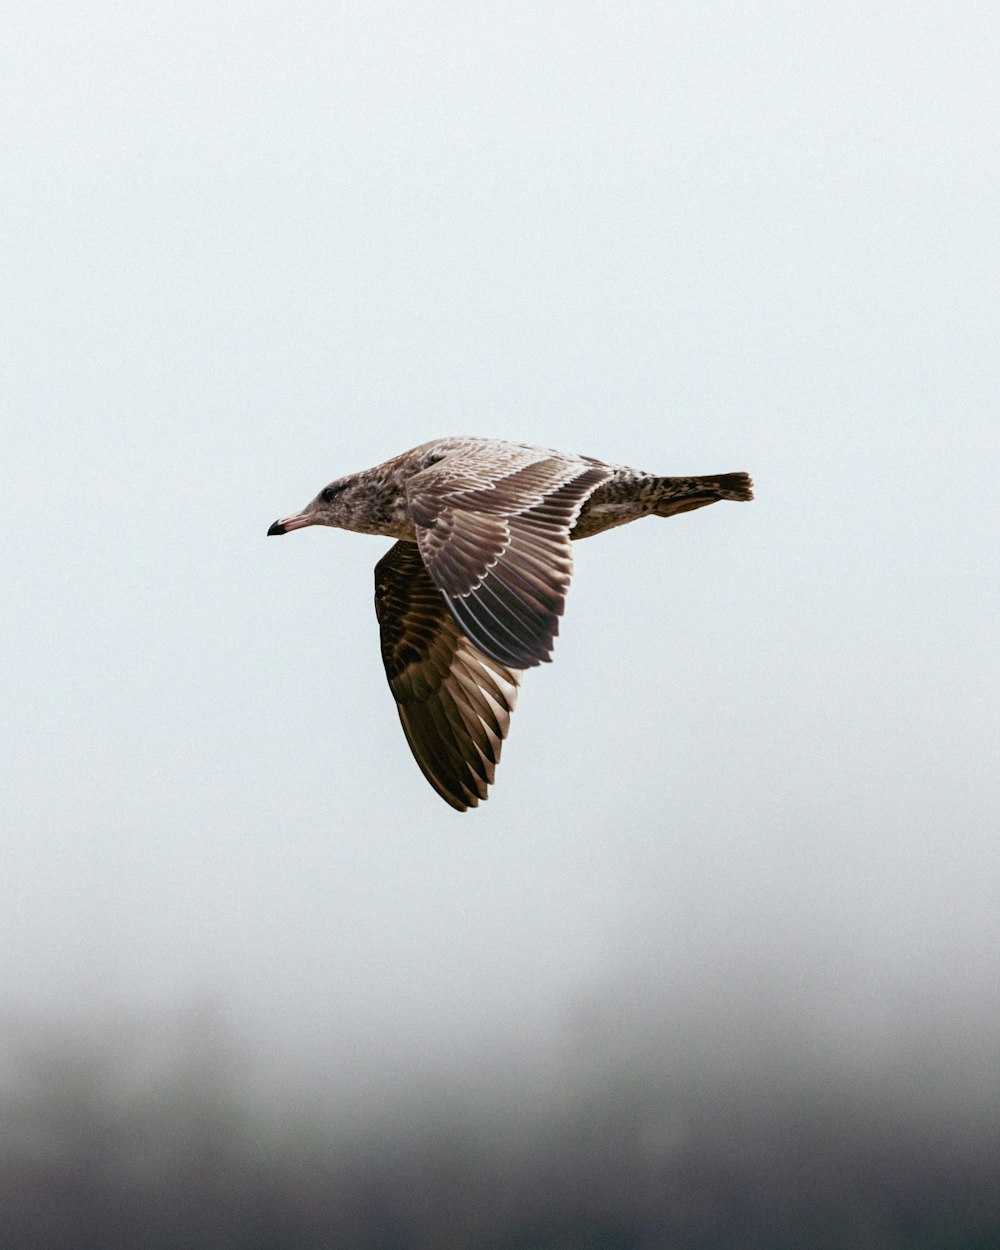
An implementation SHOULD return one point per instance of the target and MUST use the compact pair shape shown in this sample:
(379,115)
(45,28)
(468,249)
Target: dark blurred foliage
(158,1139)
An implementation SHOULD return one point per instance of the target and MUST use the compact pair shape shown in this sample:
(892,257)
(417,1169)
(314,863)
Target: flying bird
(472,591)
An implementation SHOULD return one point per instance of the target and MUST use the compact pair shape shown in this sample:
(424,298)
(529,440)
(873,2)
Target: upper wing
(495,539)
(454,703)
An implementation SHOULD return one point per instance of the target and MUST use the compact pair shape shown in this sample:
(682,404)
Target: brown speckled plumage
(472,591)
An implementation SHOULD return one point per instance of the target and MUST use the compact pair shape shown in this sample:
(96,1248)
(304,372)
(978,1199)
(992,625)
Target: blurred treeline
(158,1138)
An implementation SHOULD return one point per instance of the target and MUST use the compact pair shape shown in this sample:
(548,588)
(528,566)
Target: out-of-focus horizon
(751,809)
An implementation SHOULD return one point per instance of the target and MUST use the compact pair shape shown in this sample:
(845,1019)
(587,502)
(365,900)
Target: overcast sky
(248,248)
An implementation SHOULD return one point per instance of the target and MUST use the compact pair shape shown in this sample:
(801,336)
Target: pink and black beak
(292,523)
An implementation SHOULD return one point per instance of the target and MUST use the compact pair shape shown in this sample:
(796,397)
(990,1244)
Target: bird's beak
(291,523)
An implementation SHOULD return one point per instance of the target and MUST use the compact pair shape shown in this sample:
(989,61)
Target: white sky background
(247,248)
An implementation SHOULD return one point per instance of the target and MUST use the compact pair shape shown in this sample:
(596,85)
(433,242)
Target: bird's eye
(327,494)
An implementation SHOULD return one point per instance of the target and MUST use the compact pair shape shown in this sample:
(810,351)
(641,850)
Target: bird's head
(332,506)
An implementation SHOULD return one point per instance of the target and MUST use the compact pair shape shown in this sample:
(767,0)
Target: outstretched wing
(494,536)
(454,702)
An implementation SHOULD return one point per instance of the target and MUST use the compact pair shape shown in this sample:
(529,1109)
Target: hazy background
(742,851)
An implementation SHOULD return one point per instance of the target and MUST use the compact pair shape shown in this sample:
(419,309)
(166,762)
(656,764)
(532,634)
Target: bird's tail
(684,494)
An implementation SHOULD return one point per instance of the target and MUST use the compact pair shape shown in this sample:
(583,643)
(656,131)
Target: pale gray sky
(247,248)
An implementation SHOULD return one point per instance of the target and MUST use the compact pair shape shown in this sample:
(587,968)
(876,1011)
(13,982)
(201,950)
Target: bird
(471,593)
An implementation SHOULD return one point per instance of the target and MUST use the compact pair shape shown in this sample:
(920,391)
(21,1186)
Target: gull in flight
(471,593)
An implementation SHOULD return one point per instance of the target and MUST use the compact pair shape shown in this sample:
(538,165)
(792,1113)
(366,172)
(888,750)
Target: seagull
(472,591)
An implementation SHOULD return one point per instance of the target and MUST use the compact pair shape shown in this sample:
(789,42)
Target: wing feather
(495,539)
(454,702)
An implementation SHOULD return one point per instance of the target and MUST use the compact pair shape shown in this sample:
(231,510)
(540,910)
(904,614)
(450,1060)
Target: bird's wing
(454,702)
(495,539)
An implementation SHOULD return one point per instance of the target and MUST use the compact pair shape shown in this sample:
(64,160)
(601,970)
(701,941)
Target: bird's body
(472,591)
